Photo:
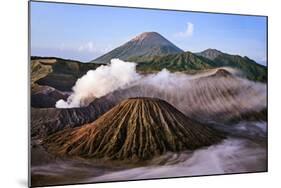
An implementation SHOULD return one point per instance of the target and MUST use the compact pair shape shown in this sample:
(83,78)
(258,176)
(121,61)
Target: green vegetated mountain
(249,67)
(210,53)
(193,62)
(185,61)
(58,73)
(153,52)
(146,44)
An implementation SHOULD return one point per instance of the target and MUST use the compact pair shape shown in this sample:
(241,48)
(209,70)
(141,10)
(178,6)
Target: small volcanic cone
(136,129)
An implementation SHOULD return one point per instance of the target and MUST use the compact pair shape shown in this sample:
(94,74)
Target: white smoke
(97,83)
(178,89)
(117,75)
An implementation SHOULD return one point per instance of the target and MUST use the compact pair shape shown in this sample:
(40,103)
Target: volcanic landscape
(144,110)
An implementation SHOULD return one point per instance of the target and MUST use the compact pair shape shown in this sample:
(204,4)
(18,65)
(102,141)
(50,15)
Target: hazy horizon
(83,32)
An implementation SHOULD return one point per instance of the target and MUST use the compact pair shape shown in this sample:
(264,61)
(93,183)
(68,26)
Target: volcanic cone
(135,129)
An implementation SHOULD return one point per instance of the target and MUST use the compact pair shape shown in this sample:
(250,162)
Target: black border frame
(132,7)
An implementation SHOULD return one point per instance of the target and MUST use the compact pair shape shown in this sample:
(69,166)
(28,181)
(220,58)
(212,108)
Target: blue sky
(85,32)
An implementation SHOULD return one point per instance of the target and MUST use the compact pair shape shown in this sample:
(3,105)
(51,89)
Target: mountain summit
(144,45)
(210,53)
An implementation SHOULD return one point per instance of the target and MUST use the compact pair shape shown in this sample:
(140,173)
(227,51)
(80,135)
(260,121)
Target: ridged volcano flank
(135,129)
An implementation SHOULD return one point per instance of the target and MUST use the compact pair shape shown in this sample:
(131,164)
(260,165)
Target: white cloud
(188,31)
(91,47)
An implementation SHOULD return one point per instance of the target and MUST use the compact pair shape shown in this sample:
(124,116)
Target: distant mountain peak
(144,35)
(151,39)
(145,44)
(210,53)
(212,50)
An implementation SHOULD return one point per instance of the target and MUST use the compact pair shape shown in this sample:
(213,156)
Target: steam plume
(207,98)
(99,82)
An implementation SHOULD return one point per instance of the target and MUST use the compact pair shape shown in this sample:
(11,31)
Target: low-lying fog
(233,155)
